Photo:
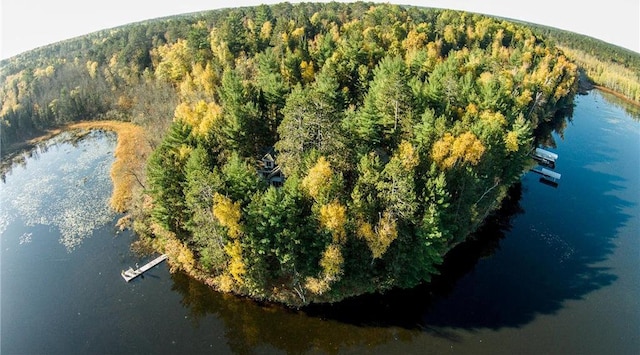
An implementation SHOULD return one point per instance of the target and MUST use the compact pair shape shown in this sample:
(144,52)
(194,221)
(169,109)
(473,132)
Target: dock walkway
(131,274)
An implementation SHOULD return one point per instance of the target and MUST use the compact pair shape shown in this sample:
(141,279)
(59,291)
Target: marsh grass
(127,171)
(612,77)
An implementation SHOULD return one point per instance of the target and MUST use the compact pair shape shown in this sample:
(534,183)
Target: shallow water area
(64,185)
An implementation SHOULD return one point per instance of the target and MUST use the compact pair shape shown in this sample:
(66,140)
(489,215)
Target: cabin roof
(268,157)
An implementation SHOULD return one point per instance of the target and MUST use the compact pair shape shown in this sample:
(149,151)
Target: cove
(554,272)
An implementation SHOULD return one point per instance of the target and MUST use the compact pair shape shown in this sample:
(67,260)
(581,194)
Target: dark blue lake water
(555,272)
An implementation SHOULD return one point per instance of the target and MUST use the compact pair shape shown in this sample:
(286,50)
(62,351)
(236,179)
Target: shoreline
(130,153)
(18,148)
(585,85)
(616,94)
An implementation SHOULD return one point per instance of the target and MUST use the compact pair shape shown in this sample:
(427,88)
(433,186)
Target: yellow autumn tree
(317,285)
(366,232)
(224,282)
(228,214)
(467,147)
(450,35)
(524,98)
(318,178)
(511,141)
(331,264)
(202,116)
(333,216)
(187,88)
(265,31)
(204,79)
(380,238)
(219,47)
(449,150)
(298,34)
(307,71)
(237,268)
(441,148)
(408,155)
(434,51)
(493,119)
(415,39)
(175,61)
(562,69)
(180,256)
(184,151)
(92,68)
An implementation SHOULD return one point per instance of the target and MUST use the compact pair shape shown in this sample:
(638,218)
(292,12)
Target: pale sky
(27,24)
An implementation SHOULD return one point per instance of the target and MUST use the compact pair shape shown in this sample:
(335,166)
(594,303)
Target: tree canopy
(395,131)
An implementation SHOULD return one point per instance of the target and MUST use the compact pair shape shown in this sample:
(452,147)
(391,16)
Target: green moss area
(316,151)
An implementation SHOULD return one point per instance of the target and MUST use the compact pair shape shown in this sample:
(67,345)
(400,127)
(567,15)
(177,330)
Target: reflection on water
(66,186)
(367,321)
(250,326)
(632,110)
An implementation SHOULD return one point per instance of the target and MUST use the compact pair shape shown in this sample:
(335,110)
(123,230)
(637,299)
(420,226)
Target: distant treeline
(87,78)
(35,98)
(605,64)
(604,51)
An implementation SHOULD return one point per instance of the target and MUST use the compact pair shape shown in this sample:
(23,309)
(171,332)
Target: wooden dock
(131,274)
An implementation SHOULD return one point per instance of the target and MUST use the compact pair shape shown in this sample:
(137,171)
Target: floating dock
(131,274)
(548,174)
(545,157)
(548,159)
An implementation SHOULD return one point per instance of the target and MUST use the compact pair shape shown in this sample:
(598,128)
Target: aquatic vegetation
(66,187)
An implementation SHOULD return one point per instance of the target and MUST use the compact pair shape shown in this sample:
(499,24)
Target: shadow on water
(554,253)
(482,286)
(407,307)
(464,296)
(249,325)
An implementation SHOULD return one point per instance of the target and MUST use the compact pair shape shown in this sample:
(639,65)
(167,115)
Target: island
(305,153)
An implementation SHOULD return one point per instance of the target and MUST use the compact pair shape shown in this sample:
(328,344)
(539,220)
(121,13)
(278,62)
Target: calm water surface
(556,272)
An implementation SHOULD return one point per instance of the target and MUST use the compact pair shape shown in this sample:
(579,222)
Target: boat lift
(548,174)
(548,159)
(545,157)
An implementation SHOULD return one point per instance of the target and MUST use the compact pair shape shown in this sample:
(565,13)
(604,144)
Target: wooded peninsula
(304,153)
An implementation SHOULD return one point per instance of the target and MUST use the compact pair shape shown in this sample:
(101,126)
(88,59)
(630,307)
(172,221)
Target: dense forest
(307,153)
